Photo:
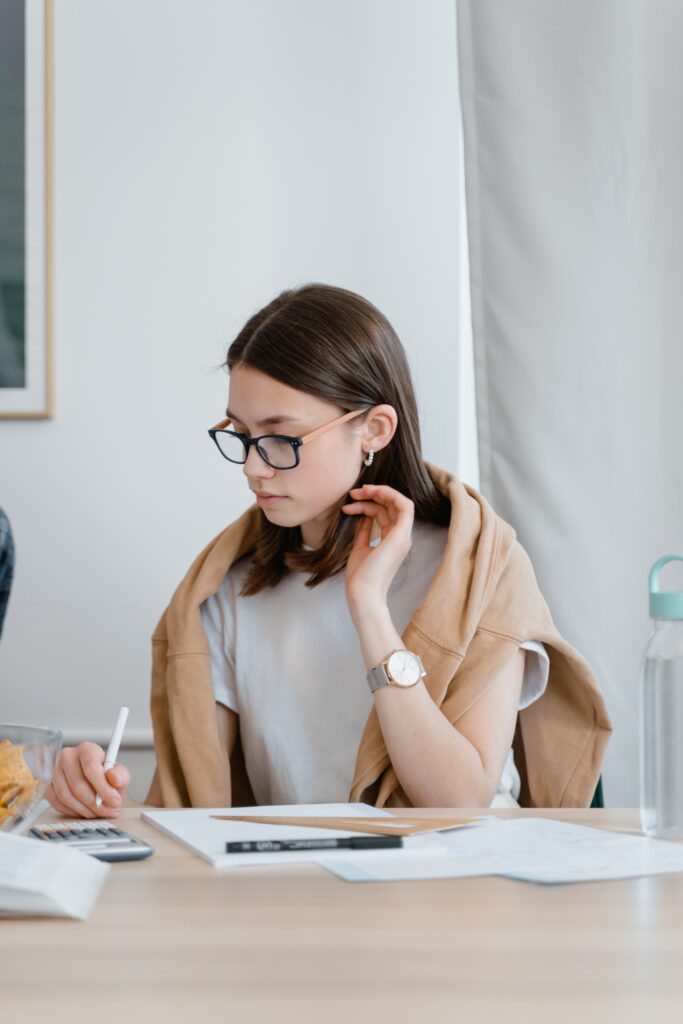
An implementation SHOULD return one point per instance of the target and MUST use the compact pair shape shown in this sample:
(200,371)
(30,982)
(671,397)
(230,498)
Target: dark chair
(598,798)
(6,564)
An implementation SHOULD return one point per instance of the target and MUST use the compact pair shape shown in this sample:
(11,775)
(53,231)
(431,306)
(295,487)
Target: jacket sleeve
(168,787)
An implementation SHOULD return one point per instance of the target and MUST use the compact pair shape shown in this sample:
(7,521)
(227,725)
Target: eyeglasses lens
(231,446)
(278,454)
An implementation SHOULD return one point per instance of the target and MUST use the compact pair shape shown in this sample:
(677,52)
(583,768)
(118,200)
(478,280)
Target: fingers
(79,776)
(91,760)
(119,776)
(363,534)
(51,797)
(68,801)
(384,497)
(89,775)
(386,504)
(371,510)
(383,494)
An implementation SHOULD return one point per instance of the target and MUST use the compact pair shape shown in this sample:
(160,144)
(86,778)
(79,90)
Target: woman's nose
(256,467)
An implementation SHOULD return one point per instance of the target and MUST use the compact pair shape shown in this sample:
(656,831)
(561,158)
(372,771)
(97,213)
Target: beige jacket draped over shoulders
(482,603)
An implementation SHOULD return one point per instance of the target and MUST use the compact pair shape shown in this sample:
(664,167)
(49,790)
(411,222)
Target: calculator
(100,840)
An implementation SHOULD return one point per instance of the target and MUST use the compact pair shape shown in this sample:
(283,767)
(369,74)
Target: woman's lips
(266,500)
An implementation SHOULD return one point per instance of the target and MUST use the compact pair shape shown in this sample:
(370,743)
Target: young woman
(369,629)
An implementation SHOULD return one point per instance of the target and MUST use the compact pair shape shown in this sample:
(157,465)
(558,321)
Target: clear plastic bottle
(661,713)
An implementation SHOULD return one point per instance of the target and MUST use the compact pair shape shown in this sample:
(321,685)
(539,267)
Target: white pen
(114,744)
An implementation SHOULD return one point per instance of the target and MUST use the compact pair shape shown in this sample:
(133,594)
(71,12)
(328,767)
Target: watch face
(404,668)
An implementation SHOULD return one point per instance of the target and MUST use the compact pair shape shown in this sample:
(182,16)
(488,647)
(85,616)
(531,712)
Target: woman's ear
(379,428)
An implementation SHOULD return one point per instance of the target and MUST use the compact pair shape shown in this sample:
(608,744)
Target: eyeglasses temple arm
(333,423)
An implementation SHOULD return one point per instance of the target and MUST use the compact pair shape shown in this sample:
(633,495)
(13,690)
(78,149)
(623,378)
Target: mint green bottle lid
(669,603)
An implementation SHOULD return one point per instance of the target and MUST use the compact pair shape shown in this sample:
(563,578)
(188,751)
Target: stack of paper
(38,877)
(529,849)
(205,835)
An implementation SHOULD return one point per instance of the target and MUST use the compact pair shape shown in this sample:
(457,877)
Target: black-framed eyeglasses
(279,451)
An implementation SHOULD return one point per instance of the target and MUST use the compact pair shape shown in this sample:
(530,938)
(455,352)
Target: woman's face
(329,464)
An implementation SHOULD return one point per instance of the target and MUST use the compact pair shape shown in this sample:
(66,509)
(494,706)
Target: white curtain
(574,185)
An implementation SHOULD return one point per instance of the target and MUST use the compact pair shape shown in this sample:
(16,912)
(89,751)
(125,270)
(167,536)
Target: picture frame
(26,209)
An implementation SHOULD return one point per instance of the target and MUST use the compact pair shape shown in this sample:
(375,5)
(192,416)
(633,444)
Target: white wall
(207,156)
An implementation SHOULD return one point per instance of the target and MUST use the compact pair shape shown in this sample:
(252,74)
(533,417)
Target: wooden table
(173,939)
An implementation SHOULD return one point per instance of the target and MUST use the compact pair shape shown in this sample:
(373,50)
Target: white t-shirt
(288,661)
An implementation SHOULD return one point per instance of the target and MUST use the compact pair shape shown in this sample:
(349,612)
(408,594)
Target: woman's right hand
(79,777)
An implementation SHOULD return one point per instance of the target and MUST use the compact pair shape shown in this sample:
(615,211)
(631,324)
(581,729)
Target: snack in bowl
(17,783)
(28,755)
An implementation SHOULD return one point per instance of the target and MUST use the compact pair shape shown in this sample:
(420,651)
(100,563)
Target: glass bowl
(28,755)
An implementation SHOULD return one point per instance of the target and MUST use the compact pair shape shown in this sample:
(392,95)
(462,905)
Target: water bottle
(661,713)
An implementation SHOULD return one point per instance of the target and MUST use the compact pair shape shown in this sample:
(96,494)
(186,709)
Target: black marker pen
(353,843)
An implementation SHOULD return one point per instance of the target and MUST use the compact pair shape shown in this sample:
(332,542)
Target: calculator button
(117,831)
(111,841)
(104,831)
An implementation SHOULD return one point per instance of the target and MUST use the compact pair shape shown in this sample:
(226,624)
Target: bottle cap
(666,604)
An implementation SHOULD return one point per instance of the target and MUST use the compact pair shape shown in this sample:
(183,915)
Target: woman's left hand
(370,570)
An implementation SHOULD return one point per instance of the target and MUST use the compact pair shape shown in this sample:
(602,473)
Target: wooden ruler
(394,826)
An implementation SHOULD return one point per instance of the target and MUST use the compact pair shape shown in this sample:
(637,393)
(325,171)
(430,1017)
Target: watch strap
(377,677)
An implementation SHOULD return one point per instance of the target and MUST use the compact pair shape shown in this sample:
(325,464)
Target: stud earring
(368,461)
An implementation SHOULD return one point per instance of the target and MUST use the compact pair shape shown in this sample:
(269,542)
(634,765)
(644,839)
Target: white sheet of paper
(43,878)
(527,849)
(205,836)
(583,854)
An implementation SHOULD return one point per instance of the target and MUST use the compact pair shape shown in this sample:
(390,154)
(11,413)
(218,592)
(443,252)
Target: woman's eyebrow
(270,421)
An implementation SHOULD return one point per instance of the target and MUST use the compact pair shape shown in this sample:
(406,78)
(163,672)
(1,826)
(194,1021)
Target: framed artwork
(26,54)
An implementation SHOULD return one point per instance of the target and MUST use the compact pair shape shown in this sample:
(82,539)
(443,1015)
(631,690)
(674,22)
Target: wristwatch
(401,668)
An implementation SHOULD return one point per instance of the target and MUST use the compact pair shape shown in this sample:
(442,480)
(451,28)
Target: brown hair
(334,344)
